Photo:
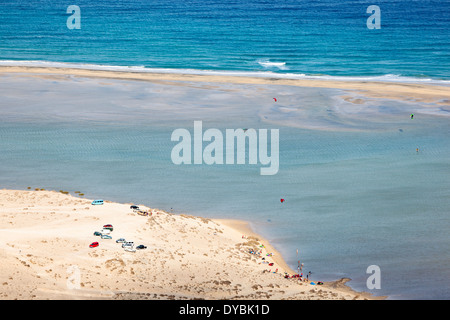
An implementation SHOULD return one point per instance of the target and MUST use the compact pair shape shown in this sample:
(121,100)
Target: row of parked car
(107,228)
(126,245)
(139,211)
(129,245)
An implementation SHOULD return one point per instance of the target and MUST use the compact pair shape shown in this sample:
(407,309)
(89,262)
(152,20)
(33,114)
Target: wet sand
(416,92)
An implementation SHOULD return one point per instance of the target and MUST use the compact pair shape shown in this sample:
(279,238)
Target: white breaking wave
(270,64)
(262,74)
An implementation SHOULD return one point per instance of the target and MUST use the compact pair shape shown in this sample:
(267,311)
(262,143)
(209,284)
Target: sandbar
(413,92)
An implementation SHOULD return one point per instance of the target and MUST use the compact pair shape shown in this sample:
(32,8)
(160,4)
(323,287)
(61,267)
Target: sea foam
(259,74)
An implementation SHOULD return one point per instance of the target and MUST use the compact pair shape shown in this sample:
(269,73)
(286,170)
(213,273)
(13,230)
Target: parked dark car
(141,246)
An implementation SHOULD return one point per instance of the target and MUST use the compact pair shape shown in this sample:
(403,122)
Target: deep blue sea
(311,37)
(357,192)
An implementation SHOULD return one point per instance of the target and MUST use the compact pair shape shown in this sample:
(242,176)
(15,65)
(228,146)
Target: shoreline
(340,284)
(409,92)
(245,228)
(36,223)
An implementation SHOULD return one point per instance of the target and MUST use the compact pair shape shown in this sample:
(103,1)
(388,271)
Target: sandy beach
(45,254)
(413,92)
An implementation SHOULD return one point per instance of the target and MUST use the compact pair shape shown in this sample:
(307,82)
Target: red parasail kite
(275,99)
(281,200)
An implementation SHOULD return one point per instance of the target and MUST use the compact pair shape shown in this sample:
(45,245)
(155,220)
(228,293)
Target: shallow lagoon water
(356,194)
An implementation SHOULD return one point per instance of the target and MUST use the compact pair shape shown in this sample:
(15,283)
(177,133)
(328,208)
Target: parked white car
(128,244)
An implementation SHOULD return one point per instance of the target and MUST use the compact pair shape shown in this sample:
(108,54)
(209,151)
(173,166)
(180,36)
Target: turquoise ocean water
(357,194)
(319,37)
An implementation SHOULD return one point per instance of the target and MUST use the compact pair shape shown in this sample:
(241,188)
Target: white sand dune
(45,254)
